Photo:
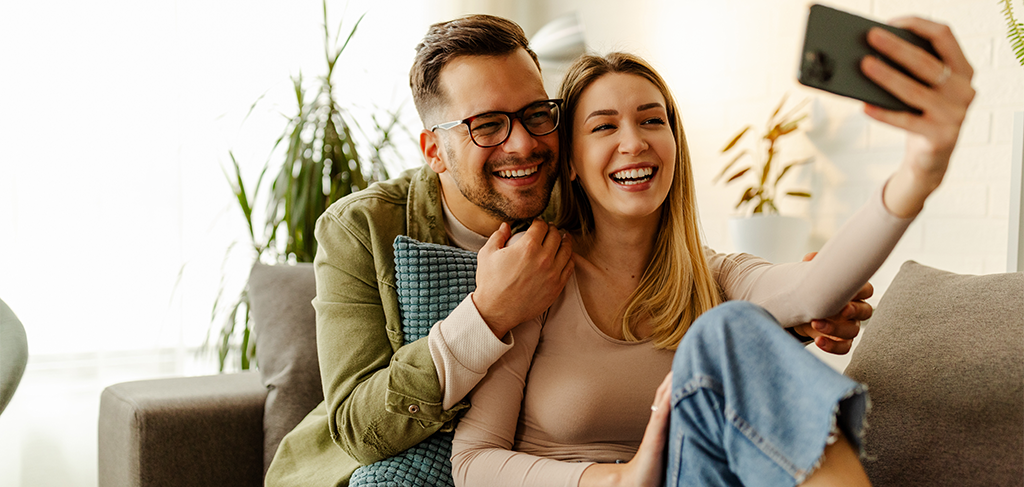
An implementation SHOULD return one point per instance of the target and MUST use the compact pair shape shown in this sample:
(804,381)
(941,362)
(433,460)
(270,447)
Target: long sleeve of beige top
(462,346)
(546,431)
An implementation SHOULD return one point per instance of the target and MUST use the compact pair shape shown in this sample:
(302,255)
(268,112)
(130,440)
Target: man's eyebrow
(598,113)
(648,106)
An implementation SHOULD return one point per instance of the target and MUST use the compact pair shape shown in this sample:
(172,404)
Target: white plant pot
(775,238)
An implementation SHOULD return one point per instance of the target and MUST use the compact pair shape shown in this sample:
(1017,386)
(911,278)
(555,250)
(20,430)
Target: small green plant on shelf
(326,156)
(761,163)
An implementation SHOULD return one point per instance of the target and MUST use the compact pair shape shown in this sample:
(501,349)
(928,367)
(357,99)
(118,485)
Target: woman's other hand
(943,99)
(647,468)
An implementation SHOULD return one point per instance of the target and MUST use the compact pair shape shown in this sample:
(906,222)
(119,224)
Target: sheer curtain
(116,118)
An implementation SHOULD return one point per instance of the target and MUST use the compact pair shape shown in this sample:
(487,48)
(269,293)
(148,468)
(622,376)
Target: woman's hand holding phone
(943,100)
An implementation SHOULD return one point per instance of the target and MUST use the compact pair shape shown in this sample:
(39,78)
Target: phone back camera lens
(818,66)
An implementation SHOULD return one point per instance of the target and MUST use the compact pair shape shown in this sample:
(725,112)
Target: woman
(748,405)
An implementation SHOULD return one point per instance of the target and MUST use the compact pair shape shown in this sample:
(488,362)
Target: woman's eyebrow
(598,113)
(648,106)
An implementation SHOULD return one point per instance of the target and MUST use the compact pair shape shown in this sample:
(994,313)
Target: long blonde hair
(677,286)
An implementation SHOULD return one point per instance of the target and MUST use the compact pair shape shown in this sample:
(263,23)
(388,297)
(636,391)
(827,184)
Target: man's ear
(430,146)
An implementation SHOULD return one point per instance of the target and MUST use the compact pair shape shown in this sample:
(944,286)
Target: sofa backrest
(284,324)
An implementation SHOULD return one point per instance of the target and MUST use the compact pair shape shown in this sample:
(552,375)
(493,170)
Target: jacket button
(414,409)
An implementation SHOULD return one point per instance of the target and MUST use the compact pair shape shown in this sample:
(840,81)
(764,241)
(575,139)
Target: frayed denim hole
(847,420)
(766,447)
(844,420)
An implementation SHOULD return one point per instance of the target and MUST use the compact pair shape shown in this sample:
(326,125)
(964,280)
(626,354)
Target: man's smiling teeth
(518,173)
(633,176)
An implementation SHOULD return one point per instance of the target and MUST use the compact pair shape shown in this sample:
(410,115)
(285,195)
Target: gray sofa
(943,358)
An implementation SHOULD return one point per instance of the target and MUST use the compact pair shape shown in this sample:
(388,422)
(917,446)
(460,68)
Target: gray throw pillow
(943,358)
(285,328)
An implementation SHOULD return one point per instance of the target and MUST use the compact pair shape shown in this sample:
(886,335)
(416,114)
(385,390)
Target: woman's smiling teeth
(633,176)
(518,173)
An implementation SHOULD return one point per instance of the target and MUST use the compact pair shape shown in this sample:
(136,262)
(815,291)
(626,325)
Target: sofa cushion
(431,280)
(285,328)
(943,359)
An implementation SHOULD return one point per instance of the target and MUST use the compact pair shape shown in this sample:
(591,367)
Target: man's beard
(479,189)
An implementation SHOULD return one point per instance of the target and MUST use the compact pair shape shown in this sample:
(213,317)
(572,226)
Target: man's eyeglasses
(492,129)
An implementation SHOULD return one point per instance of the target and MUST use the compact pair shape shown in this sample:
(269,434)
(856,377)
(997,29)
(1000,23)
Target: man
(383,396)
(491,146)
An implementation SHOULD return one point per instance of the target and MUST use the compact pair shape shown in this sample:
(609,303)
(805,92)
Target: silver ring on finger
(946,73)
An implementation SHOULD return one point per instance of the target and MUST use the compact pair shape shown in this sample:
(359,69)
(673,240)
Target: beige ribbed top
(567,393)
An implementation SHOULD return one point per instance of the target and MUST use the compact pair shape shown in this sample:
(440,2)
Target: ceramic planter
(775,238)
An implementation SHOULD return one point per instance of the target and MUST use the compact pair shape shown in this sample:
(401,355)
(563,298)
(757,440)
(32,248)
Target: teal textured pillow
(432,280)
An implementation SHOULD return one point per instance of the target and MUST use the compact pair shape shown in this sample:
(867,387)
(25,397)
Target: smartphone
(835,43)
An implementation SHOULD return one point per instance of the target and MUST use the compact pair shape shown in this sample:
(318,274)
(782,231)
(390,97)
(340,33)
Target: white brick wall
(730,61)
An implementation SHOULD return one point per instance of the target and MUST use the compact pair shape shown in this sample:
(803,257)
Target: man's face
(512,181)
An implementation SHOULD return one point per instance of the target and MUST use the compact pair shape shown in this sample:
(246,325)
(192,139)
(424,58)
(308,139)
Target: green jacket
(363,362)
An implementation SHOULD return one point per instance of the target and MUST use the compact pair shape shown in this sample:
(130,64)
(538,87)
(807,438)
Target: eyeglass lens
(492,129)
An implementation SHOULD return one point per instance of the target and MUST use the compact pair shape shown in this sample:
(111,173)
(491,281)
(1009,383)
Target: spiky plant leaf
(736,139)
(738,174)
(761,197)
(729,165)
(320,162)
(790,166)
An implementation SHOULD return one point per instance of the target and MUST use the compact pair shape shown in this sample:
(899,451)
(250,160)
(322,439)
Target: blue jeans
(750,406)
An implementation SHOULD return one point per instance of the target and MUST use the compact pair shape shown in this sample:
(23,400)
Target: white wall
(729,63)
(116,118)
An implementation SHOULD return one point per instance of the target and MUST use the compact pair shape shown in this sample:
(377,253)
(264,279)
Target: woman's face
(623,148)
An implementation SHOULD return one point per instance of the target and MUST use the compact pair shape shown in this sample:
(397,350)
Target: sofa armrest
(195,431)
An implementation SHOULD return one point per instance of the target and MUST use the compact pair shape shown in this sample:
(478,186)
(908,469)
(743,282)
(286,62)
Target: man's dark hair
(474,35)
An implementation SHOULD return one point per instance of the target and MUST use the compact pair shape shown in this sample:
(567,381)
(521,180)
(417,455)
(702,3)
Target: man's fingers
(537,231)
(838,330)
(832,346)
(865,292)
(500,236)
(554,237)
(861,311)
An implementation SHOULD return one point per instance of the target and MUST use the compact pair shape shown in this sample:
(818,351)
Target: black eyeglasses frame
(512,116)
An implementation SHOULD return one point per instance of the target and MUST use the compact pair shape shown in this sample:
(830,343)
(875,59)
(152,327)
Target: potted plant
(325,157)
(762,231)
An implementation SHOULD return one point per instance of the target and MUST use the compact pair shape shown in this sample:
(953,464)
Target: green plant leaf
(746,196)
(735,139)
(790,166)
(796,108)
(349,38)
(767,168)
(316,160)
(1015,31)
(738,174)
(778,108)
(729,165)
(790,126)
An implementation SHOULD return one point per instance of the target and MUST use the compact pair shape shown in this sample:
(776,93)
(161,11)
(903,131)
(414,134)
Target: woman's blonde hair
(677,286)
